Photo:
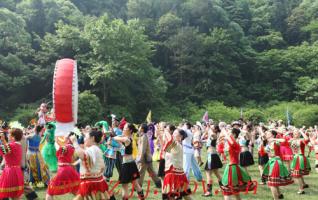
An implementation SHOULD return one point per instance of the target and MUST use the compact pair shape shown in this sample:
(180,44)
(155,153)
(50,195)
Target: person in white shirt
(176,184)
(92,181)
(189,161)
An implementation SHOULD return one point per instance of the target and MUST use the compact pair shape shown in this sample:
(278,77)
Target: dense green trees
(170,56)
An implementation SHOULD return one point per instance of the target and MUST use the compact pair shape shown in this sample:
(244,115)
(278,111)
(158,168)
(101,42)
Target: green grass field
(263,192)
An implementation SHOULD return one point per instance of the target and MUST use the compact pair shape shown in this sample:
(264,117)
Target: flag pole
(287,116)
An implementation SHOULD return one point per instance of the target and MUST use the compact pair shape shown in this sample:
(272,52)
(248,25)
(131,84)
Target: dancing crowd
(82,162)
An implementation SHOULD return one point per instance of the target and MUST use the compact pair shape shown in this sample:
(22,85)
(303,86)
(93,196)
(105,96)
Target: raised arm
(304,135)
(122,139)
(78,149)
(4,148)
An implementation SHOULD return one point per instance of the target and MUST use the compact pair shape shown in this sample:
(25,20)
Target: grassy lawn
(263,192)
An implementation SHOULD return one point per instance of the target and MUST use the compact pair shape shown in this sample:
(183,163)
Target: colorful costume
(91,172)
(129,170)
(38,169)
(235,179)
(285,150)
(29,192)
(175,180)
(300,165)
(11,179)
(262,155)
(275,173)
(221,148)
(151,134)
(67,179)
(49,151)
(246,158)
(213,160)
(113,155)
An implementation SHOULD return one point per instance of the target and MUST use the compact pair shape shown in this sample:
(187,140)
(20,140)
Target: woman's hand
(3,138)
(73,139)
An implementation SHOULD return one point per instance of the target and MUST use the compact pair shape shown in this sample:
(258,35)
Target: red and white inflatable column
(65,96)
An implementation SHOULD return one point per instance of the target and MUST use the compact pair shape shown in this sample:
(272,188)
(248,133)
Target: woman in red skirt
(175,184)
(275,173)
(11,180)
(300,165)
(67,179)
(235,179)
(92,166)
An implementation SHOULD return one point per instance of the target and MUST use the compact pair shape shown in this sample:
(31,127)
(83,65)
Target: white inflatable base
(64,129)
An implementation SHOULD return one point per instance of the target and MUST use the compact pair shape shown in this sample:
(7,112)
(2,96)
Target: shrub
(217,111)
(24,114)
(89,108)
(254,115)
(306,117)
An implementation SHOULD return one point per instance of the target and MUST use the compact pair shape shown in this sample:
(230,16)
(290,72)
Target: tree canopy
(163,55)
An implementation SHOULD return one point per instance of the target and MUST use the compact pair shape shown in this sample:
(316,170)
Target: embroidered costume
(175,180)
(91,172)
(67,179)
(38,169)
(11,179)
(275,173)
(285,150)
(235,179)
(300,165)
(49,151)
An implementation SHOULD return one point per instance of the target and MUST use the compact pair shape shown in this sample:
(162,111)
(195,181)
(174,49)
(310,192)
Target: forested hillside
(163,55)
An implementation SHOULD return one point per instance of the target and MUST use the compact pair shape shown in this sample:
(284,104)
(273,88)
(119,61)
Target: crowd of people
(82,163)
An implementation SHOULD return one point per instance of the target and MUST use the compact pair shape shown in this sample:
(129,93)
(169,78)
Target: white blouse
(92,166)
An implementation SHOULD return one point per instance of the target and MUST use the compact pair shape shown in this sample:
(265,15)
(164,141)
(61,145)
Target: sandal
(207,194)
(301,192)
